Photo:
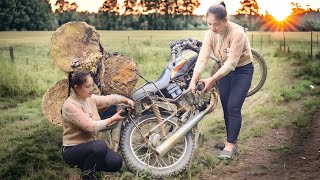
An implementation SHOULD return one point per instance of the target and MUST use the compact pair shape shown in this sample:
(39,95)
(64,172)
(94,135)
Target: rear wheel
(139,153)
(259,73)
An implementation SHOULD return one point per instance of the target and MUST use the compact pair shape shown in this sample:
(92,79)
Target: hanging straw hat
(120,75)
(76,44)
(53,100)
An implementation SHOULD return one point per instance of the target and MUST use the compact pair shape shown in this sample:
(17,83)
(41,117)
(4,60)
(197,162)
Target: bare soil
(284,153)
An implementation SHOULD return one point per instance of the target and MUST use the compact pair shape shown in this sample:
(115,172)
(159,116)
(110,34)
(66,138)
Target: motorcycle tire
(259,74)
(137,164)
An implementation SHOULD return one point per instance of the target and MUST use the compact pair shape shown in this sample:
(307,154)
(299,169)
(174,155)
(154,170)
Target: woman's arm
(202,60)
(113,99)
(76,116)
(204,54)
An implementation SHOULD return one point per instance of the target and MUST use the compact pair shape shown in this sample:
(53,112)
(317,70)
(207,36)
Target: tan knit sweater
(234,47)
(81,119)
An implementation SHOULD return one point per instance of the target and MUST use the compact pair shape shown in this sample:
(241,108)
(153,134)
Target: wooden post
(269,44)
(280,45)
(284,42)
(2,57)
(311,45)
(318,41)
(33,50)
(128,39)
(11,54)
(252,40)
(261,43)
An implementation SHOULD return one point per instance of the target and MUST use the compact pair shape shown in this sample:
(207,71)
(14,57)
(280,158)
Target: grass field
(30,144)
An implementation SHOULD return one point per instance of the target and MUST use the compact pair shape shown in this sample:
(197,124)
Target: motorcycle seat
(153,87)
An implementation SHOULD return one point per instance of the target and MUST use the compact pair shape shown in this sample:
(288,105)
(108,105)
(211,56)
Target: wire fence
(264,42)
(305,42)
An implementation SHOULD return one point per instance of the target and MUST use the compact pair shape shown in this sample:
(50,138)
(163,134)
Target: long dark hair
(77,78)
(218,10)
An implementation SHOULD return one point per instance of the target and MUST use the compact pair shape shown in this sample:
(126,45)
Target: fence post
(284,42)
(128,39)
(280,45)
(2,56)
(33,51)
(311,45)
(252,40)
(11,54)
(261,43)
(269,44)
(317,42)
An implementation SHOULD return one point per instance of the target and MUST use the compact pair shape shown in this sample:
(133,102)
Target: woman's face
(86,89)
(216,25)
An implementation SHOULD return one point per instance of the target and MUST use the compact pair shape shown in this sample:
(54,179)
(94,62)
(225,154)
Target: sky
(278,8)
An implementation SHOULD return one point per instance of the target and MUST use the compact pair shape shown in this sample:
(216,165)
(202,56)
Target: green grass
(30,145)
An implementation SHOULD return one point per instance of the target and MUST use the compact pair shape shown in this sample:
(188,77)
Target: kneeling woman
(81,123)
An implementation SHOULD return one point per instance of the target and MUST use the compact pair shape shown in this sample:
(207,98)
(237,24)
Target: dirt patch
(281,154)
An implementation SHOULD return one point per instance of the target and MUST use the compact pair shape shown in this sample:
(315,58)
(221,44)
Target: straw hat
(53,100)
(76,43)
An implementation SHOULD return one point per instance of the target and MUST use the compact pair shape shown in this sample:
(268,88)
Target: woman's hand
(117,116)
(208,84)
(192,88)
(131,103)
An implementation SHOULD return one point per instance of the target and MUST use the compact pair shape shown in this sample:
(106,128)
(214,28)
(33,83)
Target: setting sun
(278,9)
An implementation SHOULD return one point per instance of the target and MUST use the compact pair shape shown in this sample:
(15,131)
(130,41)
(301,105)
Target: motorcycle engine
(200,100)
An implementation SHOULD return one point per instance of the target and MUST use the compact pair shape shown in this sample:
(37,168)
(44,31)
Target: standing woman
(229,43)
(81,123)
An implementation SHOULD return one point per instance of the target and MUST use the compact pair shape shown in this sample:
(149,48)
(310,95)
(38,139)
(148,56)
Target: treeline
(138,15)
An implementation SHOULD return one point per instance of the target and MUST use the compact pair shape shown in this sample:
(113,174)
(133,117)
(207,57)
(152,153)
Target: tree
(65,6)
(7,11)
(65,11)
(109,14)
(249,7)
(26,15)
(187,8)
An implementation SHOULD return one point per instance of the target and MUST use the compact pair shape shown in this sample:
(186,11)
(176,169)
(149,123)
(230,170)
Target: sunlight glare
(279,9)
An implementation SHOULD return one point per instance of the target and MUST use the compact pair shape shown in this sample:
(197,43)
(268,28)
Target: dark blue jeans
(233,90)
(92,156)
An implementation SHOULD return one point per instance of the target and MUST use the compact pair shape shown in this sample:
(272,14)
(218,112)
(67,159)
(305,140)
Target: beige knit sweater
(81,118)
(234,47)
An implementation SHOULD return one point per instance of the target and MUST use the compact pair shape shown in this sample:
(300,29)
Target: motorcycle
(160,135)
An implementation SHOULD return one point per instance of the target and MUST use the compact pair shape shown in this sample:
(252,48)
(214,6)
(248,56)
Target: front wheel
(259,73)
(138,152)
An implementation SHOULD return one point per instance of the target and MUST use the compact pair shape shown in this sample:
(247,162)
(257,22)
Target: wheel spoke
(146,154)
(137,148)
(172,156)
(162,160)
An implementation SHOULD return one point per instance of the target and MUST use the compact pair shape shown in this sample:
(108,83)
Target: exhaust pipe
(164,147)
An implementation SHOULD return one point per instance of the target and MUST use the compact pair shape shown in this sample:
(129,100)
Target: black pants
(92,156)
(233,90)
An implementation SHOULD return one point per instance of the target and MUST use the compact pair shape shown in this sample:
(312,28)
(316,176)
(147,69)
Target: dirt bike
(160,134)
